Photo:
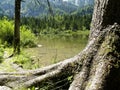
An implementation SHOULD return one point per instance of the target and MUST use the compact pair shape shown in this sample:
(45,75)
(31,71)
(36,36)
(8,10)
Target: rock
(39,45)
(5,88)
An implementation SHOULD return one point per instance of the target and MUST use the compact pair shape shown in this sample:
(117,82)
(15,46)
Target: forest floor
(8,65)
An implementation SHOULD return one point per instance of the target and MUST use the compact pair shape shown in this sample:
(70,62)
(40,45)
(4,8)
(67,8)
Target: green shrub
(28,39)
(6,34)
(6,30)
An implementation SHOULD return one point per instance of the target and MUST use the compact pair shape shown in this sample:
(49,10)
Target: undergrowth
(28,39)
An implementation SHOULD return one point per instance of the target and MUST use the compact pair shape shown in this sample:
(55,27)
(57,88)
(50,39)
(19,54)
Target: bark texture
(97,67)
(17,27)
(106,12)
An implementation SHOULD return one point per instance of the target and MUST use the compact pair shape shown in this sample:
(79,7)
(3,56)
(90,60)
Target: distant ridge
(30,8)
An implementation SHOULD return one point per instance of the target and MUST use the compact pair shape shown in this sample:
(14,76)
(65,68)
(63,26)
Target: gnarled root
(90,68)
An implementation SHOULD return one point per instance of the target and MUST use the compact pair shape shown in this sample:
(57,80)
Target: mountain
(80,3)
(32,8)
(7,7)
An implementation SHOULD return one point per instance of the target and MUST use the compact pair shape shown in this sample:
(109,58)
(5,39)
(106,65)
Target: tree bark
(97,67)
(17,27)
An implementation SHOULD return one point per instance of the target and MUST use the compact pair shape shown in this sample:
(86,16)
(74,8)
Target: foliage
(7,30)
(23,60)
(27,37)
(58,23)
(56,33)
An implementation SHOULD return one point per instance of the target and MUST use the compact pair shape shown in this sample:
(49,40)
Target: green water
(56,48)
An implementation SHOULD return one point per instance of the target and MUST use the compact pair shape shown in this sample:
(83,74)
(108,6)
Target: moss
(108,45)
(111,47)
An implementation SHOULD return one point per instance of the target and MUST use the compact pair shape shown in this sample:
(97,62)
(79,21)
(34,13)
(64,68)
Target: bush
(7,30)
(28,39)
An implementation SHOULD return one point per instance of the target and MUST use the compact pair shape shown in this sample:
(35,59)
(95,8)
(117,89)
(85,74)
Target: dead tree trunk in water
(97,67)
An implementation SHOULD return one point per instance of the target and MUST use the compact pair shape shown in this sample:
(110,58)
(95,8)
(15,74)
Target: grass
(22,60)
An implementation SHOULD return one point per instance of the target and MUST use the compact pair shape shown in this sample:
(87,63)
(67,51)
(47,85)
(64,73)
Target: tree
(17,27)
(17,24)
(97,67)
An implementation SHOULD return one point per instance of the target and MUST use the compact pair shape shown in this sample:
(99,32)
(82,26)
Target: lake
(53,48)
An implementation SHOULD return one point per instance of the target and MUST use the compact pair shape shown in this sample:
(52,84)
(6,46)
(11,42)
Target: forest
(77,50)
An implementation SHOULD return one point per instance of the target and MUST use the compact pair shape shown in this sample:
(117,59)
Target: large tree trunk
(97,67)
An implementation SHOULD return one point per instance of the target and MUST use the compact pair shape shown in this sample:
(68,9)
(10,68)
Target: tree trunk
(17,27)
(97,67)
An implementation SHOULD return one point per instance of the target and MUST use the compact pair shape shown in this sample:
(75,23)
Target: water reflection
(56,48)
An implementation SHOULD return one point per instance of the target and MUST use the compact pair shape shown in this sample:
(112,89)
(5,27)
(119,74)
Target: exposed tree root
(87,76)
(93,75)
(89,68)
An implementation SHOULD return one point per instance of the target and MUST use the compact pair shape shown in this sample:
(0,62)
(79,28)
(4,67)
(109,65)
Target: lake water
(56,48)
